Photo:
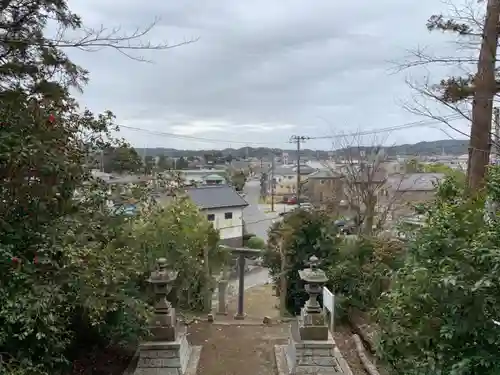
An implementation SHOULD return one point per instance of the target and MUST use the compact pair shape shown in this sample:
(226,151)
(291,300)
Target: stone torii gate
(242,253)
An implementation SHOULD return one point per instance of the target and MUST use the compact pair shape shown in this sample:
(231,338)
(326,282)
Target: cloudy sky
(260,70)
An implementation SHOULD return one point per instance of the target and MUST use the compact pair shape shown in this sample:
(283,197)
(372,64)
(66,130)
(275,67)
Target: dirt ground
(249,349)
(259,302)
(237,350)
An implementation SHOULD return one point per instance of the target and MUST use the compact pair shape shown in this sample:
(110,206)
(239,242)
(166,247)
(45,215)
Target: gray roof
(215,196)
(288,170)
(415,181)
(324,174)
(213,177)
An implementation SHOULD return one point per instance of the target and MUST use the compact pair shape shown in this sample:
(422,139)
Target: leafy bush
(437,317)
(71,276)
(181,234)
(256,243)
(362,272)
(298,236)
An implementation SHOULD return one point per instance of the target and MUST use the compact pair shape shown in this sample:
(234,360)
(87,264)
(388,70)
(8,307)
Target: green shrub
(437,316)
(247,236)
(181,234)
(256,243)
(300,234)
(363,271)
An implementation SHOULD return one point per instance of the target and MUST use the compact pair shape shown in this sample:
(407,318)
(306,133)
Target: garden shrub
(300,234)
(363,271)
(256,243)
(437,318)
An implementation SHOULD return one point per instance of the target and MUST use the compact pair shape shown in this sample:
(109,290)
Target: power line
(422,123)
(416,124)
(191,137)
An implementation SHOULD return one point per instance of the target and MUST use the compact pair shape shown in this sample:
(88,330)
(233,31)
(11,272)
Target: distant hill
(446,146)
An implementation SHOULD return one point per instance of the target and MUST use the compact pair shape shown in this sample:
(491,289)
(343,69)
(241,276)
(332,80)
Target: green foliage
(413,166)
(256,243)
(437,317)
(181,234)
(363,271)
(298,236)
(238,180)
(121,159)
(181,163)
(70,275)
(149,164)
(164,163)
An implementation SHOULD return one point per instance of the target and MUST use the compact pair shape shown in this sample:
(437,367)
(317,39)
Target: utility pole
(484,88)
(272,183)
(298,139)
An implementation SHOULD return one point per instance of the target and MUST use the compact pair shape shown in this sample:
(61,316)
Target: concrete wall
(228,228)
(322,191)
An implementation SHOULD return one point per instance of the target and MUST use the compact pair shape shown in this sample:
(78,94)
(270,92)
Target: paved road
(256,219)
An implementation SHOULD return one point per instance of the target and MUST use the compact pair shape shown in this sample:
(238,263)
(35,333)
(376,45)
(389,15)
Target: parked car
(306,206)
(292,200)
(345,227)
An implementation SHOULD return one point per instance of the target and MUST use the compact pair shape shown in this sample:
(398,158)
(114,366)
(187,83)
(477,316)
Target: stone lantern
(312,320)
(164,321)
(167,351)
(311,348)
(314,278)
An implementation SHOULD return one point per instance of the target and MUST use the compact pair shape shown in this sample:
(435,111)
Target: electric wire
(409,125)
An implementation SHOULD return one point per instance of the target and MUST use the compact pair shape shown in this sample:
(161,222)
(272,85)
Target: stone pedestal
(311,348)
(310,357)
(167,352)
(312,326)
(168,357)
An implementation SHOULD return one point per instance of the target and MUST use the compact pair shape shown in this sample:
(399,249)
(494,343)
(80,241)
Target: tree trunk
(482,105)
(369,217)
(283,283)
(207,292)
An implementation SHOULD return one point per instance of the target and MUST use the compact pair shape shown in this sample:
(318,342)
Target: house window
(228,215)
(211,217)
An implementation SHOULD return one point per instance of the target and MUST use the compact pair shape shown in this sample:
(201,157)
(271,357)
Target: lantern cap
(313,274)
(162,275)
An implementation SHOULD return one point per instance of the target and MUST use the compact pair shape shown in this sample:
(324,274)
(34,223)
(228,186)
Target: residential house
(364,188)
(214,179)
(197,176)
(284,179)
(403,192)
(223,207)
(325,187)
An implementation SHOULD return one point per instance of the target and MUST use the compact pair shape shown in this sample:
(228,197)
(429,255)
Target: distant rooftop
(215,196)
(324,174)
(214,176)
(415,181)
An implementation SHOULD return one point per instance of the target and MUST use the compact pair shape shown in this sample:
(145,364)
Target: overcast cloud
(260,71)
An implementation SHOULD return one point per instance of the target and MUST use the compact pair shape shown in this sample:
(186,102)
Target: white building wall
(228,228)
